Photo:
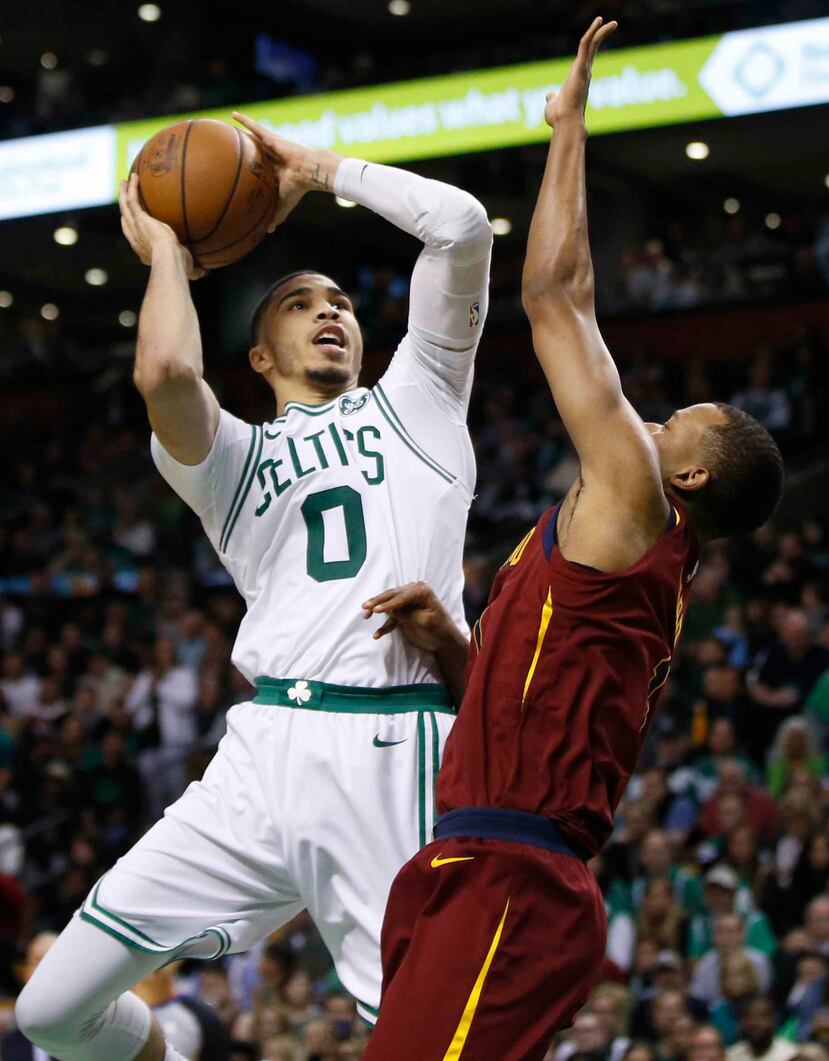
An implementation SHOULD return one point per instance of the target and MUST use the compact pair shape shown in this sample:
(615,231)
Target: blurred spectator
(728,938)
(720,898)
(759,1042)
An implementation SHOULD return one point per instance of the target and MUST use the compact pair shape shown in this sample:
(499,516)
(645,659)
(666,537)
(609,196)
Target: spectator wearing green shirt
(657,861)
(817,707)
(795,751)
(720,897)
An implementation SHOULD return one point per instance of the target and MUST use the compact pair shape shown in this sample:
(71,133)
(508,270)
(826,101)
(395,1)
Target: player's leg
(503,954)
(378,787)
(206,879)
(78,1007)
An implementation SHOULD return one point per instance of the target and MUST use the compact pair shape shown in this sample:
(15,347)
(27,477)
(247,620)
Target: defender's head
(304,329)
(722,465)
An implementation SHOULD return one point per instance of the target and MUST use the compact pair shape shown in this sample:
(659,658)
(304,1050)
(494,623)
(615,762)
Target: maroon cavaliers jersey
(568,666)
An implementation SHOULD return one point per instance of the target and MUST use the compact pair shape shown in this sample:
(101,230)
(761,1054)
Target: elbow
(467,230)
(158,369)
(542,289)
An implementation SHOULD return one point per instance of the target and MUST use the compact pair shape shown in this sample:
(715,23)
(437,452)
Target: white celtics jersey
(328,505)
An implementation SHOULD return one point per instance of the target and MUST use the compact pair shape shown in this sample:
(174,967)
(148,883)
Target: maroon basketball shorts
(492,939)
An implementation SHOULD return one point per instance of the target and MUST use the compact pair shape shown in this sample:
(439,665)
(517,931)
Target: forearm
(169,341)
(558,261)
(451,656)
(439,215)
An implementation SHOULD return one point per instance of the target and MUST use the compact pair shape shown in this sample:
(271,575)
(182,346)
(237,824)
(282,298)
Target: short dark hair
(265,300)
(746,475)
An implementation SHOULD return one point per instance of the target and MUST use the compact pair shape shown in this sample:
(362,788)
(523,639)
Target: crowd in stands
(116,623)
(186,62)
(728,258)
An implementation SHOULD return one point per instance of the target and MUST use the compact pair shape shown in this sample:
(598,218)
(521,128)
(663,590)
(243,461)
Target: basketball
(211,183)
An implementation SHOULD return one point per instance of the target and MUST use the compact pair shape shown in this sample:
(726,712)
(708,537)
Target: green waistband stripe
(352,699)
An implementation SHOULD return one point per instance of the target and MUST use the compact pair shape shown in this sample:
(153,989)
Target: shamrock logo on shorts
(300,692)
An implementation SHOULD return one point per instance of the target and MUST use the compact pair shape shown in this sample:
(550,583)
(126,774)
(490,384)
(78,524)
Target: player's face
(310,333)
(680,444)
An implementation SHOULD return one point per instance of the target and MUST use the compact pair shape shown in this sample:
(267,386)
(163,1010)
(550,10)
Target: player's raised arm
(448,298)
(182,409)
(613,445)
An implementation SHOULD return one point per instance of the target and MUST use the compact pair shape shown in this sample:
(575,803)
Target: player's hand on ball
(298,169)
(144,233)
(415,611)
(570,101)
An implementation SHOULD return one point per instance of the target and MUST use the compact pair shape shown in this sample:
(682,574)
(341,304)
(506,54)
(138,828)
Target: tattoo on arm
(319,181)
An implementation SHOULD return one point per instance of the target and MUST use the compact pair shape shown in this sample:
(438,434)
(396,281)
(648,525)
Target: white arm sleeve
(209,488)
(449,289)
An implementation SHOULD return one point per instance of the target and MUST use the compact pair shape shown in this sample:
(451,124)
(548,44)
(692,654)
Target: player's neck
(308,393)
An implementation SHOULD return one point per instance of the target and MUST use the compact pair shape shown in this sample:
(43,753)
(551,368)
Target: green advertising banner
(745,72)
(632,89)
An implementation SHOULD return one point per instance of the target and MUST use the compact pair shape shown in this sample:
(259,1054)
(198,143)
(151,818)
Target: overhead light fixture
(149,12)
(399,7)
(826,180)
(773,220)
(49,312)
(501,226)
(48,60)
(66,235)
(96,277)
(6,93)
(127,319)
(697,150)
(6,299)
(731,205)
(346,204)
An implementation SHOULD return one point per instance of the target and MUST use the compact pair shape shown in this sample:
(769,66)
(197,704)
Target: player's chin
(329,375)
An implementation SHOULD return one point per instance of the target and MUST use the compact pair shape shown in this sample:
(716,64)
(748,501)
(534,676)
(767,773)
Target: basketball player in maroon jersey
(494,932)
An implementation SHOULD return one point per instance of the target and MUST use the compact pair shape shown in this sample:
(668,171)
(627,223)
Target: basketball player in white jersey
(323,787)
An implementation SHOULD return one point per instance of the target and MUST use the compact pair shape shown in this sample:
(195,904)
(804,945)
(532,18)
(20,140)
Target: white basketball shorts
(316,797)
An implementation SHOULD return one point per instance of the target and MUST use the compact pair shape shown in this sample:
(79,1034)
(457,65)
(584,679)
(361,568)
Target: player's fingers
(387,627)
(396,604)
(259,131)
(380,598)
(133,202)
(585,42)
(601,36)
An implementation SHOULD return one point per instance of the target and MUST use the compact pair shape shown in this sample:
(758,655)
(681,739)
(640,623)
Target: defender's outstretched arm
(613,444)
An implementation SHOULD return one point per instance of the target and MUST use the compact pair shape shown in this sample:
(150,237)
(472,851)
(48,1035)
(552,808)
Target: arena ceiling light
(346,204)
(773,220)
(127,319)
(96,277)
(697,150)
(501,226)
(66,235)
(6,93)
(399,7)
(149,12)
(49,311)
(826,180)
(6,299)
(731,205)
(48,60)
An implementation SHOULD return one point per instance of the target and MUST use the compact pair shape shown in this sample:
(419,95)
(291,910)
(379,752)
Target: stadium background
(713,275)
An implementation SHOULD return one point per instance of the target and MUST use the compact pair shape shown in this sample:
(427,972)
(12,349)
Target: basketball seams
(239,160)
(248,234)
(183,183)
(171,199)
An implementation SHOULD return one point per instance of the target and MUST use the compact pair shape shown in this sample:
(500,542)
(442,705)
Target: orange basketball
(211,183)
